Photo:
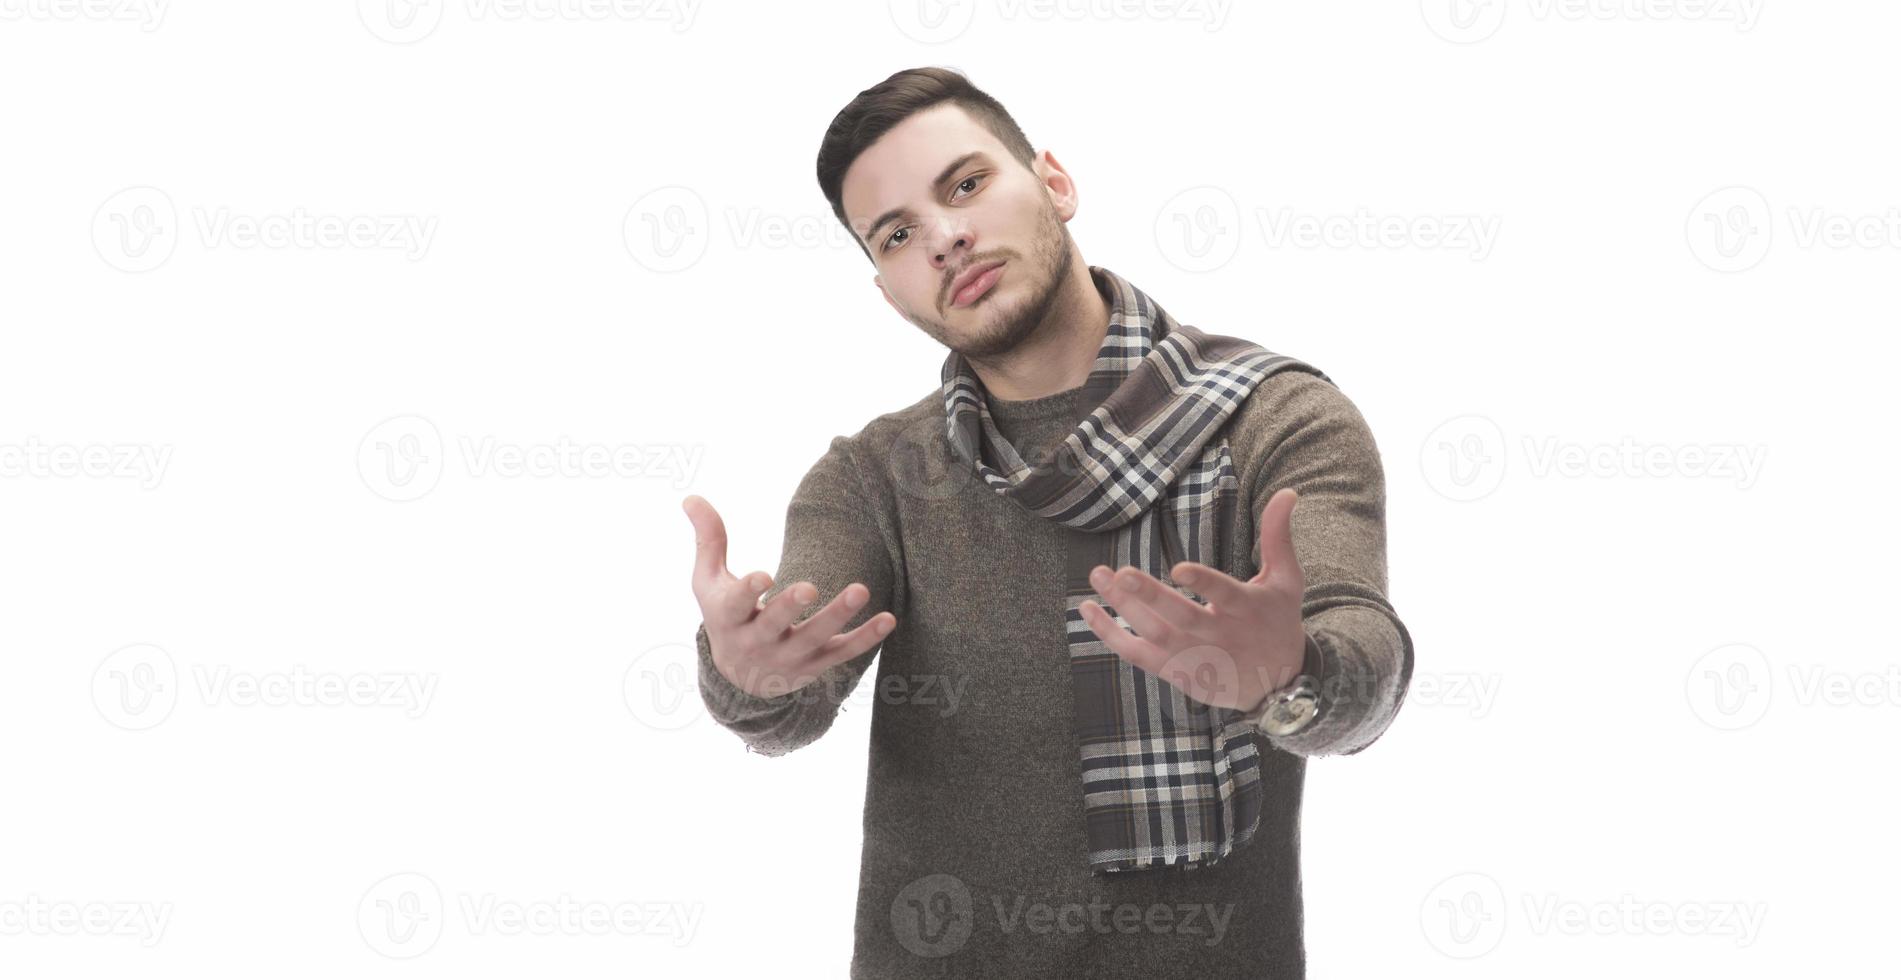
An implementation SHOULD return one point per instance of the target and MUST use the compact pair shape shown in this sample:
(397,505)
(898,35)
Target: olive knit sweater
(974,861)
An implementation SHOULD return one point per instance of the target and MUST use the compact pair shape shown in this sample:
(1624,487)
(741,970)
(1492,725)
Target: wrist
(1313,664)
(1297,704)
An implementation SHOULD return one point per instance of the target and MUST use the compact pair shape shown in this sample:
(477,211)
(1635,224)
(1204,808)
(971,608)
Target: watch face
(1288,717)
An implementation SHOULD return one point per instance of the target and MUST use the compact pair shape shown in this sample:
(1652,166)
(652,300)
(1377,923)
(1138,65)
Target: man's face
(939,197)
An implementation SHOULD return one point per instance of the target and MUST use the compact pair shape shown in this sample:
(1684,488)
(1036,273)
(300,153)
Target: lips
(974,282)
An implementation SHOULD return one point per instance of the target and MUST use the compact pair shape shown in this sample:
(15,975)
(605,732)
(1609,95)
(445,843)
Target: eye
(973,179)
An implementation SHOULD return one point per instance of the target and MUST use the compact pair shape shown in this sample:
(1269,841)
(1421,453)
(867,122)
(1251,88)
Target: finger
(847,646)
(807,636)
(1224,592)
(1121,642)
(1152,606)
(738,601)
(1277,534)
(709,538)
(780,610)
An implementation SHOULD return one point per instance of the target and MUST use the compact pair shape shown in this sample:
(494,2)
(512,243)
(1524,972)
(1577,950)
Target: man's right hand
(756,646)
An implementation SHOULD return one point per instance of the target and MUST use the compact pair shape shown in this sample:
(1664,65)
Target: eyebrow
(944,175)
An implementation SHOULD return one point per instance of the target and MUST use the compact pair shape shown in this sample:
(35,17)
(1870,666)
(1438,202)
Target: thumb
(709,535)
(1277,534)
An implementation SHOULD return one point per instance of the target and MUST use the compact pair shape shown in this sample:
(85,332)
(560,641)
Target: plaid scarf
(1167,780)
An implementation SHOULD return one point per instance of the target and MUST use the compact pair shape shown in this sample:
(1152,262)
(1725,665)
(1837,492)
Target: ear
(1057,183)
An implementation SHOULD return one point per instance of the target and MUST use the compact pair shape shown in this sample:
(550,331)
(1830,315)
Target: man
(1110,637)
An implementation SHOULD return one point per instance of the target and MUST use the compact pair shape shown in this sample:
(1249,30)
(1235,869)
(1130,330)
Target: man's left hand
(1249,632)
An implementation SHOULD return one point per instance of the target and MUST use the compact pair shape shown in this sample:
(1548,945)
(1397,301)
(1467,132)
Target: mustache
(950,278)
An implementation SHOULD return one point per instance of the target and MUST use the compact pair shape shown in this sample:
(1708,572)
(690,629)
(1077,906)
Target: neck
(1061,352)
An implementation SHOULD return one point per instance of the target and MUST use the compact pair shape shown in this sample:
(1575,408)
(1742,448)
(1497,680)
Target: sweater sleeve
(833,537)
(1314,439)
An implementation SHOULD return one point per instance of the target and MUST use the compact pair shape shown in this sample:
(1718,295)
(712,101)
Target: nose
(951,242)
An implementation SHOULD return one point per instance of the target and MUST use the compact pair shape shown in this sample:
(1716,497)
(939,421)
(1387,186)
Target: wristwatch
(1294,708)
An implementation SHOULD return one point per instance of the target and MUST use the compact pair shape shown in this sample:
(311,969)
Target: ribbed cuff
(726,700)
(1332,716)
(1316,667)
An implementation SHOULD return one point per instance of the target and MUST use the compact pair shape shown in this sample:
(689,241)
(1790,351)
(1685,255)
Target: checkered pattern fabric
(1144,480)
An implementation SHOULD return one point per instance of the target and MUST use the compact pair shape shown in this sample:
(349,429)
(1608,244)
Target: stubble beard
(1010,328)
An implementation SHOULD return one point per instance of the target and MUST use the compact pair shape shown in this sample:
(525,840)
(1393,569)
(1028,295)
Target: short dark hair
(884,105)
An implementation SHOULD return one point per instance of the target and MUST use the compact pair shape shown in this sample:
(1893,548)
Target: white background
(623,246)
